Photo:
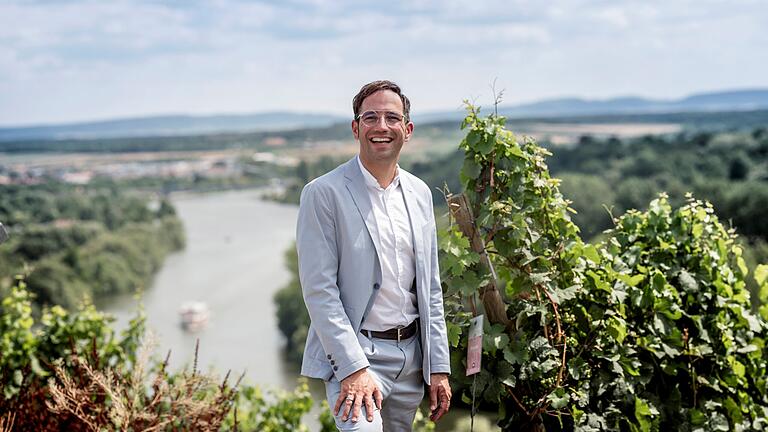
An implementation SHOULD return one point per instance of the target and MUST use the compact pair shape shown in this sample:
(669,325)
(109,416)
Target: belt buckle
(399,333)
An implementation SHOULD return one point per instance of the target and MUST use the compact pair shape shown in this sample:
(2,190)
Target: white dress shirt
(395,304)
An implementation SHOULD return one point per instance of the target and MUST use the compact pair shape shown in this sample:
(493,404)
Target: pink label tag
(475,346)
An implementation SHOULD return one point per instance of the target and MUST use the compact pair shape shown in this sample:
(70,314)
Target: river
(234,262)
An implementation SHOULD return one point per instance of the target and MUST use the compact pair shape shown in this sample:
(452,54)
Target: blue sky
(73,60)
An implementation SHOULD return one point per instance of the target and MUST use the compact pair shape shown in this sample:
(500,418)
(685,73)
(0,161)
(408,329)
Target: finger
(444,393)
(378,397)
(338,404)
(442,408)
(343,393)
(369,407)
(347,407)
(446,403)
(432,398)
(440,413)
(356,407)
(434,415)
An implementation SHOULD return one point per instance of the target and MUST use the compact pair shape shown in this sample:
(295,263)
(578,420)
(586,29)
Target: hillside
(177,125)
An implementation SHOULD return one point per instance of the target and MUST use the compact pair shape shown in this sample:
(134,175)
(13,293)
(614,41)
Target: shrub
(70,371)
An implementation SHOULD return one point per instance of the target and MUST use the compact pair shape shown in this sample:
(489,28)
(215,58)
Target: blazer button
(329,356)
(335,368)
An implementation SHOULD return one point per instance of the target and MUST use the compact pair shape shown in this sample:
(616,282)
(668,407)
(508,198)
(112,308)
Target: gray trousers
(396,367)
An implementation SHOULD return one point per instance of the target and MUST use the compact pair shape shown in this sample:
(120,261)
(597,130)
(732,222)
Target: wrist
(357,373)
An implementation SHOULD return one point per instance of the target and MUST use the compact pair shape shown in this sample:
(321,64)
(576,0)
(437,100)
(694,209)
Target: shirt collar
(371,181)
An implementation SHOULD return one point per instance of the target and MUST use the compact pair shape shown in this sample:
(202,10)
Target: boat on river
(194,315)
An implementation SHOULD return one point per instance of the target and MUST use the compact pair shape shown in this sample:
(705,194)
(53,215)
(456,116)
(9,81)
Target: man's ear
(408,131)
(355,130)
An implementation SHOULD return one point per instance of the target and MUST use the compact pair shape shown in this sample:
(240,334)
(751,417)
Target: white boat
(194,315)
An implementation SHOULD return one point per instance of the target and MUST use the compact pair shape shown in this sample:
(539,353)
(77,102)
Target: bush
(679,344)
(70,371)
(255,412)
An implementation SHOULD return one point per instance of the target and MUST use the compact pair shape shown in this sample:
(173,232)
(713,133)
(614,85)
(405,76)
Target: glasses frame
(379,115)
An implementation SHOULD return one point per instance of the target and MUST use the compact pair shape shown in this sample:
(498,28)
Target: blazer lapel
(356,185)
(412,206)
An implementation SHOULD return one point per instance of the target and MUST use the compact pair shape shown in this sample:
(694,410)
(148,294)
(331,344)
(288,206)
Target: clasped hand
(357,389)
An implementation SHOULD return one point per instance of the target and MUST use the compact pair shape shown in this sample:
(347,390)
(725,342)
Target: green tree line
(76,242)
(217,141)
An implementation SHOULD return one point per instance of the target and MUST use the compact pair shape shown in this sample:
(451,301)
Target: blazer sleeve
(318,268)
(439,357)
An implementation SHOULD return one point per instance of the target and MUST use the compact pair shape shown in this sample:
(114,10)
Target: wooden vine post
(495,308)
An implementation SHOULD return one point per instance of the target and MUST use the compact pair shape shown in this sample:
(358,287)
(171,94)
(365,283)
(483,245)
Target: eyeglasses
(372,118)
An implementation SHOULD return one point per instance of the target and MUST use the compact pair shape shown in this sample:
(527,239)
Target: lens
(393,118)
(369,118)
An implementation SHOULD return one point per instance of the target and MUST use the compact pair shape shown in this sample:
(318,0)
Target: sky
(78,60)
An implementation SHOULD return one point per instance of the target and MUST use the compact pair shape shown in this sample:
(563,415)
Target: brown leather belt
(398,333)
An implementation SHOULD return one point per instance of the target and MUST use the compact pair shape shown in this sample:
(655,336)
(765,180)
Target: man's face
(381,142)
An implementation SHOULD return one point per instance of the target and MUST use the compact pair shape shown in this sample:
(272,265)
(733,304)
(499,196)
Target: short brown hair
(375,86)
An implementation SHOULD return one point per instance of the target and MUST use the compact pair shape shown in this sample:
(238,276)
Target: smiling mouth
(381,140)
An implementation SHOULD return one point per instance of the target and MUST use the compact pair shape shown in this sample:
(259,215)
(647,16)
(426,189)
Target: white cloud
(84,59)
(613,16)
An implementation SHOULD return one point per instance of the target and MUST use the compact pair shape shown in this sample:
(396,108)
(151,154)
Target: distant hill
(691,122)
(177,125)
(737,100)
(172,125)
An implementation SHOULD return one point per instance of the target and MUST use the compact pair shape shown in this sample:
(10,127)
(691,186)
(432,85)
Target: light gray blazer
(340,272)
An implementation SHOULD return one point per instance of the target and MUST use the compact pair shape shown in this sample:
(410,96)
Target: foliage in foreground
(649,330)
(70,371)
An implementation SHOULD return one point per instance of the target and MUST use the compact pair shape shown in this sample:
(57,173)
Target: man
(369,274)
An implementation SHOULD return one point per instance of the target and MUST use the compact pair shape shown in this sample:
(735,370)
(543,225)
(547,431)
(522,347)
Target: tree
(292,315)
(739,167)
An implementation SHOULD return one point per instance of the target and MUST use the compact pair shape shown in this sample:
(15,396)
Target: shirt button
(333,362)
(375,286)
(335,368)
(329,356)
